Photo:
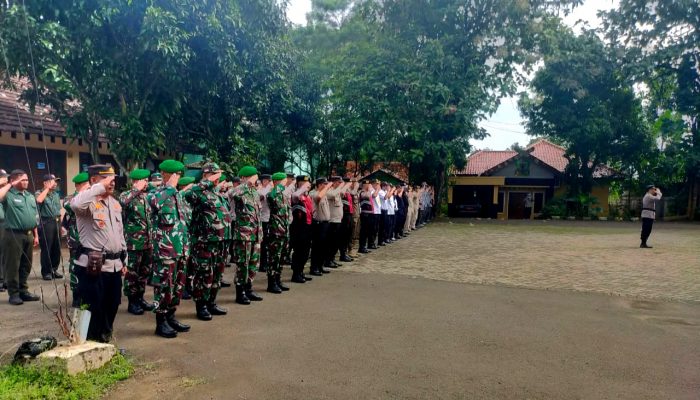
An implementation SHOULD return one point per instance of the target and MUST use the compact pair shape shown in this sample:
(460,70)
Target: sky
(505,126)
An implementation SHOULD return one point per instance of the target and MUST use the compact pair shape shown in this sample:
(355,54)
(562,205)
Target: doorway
(516,206)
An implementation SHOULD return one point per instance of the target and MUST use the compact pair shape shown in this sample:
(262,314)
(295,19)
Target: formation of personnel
(178,235)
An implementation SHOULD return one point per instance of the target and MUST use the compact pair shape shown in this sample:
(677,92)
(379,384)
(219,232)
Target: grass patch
(24,383)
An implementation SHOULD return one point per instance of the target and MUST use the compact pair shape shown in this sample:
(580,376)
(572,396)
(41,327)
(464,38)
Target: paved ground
(378,329)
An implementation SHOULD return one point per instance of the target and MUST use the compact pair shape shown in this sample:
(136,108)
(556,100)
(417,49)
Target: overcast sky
(505,126)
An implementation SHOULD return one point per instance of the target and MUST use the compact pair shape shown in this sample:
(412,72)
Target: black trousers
(300,242)
(263,248)
(366,223)
(333,241)
(647,224)
(49,241)
(345,234)
(319,244)
(373,229)
(2,255)
(400,222)
(383,221)
(103,295)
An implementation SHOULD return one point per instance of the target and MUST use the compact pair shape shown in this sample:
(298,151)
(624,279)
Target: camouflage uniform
(171,246)
(69,224)
(248,234)
(279,228)
(139,243)
(228,233)
(208,232)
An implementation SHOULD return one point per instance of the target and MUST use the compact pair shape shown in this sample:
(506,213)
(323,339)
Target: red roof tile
(550,154)
(484,160)
(11,107)
(547,152)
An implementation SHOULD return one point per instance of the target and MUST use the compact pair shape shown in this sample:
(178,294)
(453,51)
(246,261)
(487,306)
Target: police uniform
(102,254)
(335,232)
(320,229)
(20,229)
(49,239)
(300,230)
(265,220)
(73,238)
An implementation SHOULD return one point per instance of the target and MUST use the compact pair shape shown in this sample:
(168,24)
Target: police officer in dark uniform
(49,203)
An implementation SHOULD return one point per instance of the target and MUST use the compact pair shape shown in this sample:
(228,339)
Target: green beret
(247,171)
(223,178)
(171,166)
(156,176)
(81,178)
(184,181)
(139,174)
(279,176)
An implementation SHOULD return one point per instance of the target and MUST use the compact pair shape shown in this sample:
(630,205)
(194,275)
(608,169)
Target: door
(516,205)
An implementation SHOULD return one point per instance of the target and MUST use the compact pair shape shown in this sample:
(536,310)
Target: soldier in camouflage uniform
(247,236)
(208,234)
(222,190)
(139,244)
(278,232)
(170,250)
(82,182)
(183,185)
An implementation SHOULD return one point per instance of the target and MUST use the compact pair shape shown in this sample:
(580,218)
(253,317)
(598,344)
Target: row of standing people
(178,236)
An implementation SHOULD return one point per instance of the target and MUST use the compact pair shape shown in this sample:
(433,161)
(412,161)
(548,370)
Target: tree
(581,98)
(413,84)
(659,42)
(155,74)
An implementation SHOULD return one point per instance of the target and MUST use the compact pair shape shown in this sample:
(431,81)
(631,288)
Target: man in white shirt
(377,215)
(649,213)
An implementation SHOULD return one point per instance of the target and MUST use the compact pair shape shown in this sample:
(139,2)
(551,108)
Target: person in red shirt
(300,229)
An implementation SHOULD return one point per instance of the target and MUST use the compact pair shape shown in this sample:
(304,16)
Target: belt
(21,231)
(649,209)
(56,219)
(108,256)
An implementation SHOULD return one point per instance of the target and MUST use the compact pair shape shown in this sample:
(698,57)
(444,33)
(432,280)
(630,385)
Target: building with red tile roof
(508,184)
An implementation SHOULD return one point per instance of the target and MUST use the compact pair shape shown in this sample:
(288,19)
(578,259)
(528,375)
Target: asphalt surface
(376,336)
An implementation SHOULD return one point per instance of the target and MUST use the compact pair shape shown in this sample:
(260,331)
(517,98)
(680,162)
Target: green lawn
(20,383)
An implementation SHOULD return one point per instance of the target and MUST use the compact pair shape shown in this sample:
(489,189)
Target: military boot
(146,305)
(278,279)
(250,293)
(175,324)
(203,313)
(272,285)
(214,309)
(241,297)
(135,306)
(162,327)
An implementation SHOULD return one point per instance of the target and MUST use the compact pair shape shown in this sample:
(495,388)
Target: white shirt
(391,205)
(382,198)
(264,207)
(377,203)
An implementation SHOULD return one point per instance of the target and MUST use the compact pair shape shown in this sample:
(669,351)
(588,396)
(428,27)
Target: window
(539,202)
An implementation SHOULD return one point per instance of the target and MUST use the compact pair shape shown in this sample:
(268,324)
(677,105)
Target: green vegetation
(20,383)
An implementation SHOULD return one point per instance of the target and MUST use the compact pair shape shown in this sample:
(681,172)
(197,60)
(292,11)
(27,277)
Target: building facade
(516,185)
